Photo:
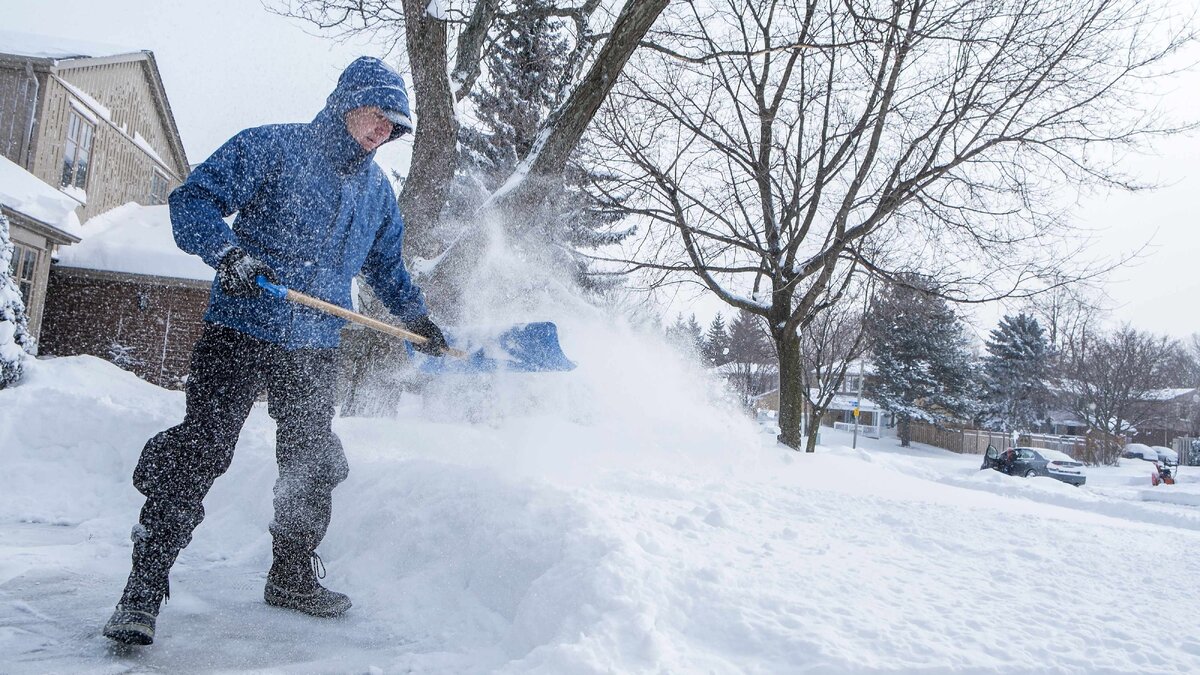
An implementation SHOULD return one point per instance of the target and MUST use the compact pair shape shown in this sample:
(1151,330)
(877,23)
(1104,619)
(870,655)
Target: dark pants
(178,466)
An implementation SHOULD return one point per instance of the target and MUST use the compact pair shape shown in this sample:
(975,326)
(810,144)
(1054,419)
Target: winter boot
(133,621)
(293,583)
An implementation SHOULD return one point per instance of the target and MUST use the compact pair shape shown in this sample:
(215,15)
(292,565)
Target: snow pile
(525,543)
(23,192)
(135,239)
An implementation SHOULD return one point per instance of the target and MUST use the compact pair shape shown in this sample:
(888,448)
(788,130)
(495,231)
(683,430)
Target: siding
(120,170)
(16,91)
(158,319)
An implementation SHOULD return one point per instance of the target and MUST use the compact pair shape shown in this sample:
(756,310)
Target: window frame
(23,268)
(157,179)
(74,148)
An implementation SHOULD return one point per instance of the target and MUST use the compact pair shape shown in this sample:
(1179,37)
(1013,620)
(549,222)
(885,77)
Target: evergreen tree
(687,335)
(1017,362)
(716,342)
(15,340)
(747,341)
(695,333)
(753,355)
(923,366)
(523,85)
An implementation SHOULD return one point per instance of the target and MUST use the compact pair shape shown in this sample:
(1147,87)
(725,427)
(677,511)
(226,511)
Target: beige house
(91,122)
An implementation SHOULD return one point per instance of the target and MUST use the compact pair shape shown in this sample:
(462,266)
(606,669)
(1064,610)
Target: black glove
(237,272)
(426,328)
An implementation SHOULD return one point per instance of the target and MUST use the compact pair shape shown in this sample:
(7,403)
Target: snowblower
(525,348)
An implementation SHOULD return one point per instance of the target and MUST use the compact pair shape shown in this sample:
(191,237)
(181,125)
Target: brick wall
(156,320)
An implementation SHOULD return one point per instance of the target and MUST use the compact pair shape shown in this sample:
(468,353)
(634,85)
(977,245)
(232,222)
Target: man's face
(369,127)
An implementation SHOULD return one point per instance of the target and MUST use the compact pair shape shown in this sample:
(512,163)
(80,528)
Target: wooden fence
(1091,449)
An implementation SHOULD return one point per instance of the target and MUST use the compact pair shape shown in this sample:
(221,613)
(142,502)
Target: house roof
(134,239)
(1168,394)
(57,48)
(57,56)
(25,194)
(839,401)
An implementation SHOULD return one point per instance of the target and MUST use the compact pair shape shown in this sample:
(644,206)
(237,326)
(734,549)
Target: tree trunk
(435,143)
(904,430)
(811,434)
(791,393)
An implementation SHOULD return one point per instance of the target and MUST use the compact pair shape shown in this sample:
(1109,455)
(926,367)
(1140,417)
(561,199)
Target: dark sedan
(1029,462)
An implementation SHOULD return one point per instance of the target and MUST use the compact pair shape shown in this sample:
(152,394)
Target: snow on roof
(50,47)
(25,193)
(1167,394)
(134,239)
(839,401)
(847,401)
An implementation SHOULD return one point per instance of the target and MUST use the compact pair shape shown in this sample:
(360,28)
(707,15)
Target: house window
(78,155)
(23,268)
(158,189)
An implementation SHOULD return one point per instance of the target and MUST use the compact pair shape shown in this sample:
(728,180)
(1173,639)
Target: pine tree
(747,341)
(522,87)
(687,335)
(696,334)
(923,366)
(15,339)
(716,342)
(752,353)
(1014,370)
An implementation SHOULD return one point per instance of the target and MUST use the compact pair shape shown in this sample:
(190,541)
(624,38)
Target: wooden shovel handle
(330,308)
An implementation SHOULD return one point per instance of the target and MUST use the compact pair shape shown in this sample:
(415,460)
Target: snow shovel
(524,348)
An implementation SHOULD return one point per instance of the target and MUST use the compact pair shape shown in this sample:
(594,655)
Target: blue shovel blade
(524,348)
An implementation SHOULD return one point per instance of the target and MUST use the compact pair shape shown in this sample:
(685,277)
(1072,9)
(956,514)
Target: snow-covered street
(609,537)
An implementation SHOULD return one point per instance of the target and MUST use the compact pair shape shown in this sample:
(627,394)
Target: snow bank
(523,544)
(135,239)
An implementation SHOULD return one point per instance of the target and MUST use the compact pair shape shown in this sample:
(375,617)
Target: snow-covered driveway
(591,542)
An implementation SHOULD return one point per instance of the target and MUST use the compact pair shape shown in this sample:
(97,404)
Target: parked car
(1029,462)
(1166,456)
(1139,451)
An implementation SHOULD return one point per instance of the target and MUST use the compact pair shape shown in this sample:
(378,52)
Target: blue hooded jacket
(311,204)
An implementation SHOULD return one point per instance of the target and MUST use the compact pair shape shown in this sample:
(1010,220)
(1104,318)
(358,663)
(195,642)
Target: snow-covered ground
(576,525)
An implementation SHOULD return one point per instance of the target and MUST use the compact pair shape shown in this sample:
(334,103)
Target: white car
(1166,455)
(1140,451)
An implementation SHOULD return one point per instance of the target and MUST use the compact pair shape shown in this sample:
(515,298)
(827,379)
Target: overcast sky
(229,64)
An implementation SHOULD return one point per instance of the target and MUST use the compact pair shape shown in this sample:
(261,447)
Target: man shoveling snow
(313,211)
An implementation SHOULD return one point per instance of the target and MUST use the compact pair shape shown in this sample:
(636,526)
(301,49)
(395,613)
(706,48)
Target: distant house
(844,402)
(92,123)
(128,294)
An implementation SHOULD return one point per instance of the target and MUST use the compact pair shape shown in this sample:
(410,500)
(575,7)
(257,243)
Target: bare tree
(771,144)
(1068,310)
(834,339)
(1111,384)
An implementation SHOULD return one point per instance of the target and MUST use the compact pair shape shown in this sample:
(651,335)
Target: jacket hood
(369,81)
(366,81)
